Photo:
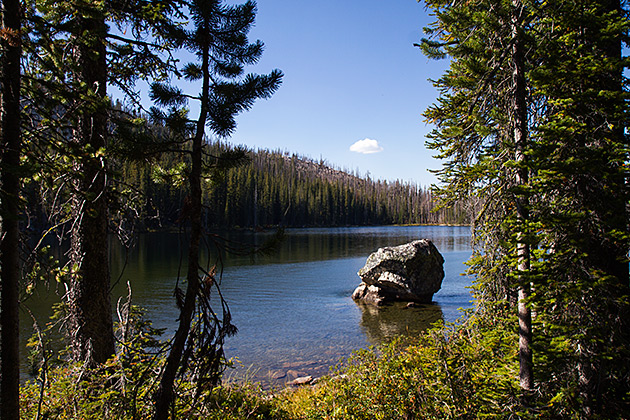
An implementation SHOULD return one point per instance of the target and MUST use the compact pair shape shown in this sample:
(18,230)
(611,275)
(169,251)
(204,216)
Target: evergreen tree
(545,148)
(523,251)
(73,59)
(89,301)
(278,190)
(219,39)
(582,298)
(10,143)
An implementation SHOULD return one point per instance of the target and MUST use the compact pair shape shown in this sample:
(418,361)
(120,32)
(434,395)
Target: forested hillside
(275,188)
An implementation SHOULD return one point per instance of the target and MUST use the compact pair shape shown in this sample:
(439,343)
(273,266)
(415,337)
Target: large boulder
(411,272)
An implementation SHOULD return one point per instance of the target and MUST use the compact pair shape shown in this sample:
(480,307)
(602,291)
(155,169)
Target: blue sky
(351,73)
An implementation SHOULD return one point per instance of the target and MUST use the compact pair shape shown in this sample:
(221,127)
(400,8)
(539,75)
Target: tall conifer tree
(219,40)
(551,166)
(582,190)
(73,60)
(89,302)
(10,143)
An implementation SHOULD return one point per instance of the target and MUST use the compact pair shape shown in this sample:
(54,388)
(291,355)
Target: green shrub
(449,372)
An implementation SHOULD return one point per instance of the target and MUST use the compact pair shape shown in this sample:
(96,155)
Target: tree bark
(164,396)
(9,210)
(89,295)
(608,197)
(526,373)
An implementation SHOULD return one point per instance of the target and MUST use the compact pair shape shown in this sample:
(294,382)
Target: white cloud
(366,146)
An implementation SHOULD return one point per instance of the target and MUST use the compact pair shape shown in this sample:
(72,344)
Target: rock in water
(410,272)
(303,380)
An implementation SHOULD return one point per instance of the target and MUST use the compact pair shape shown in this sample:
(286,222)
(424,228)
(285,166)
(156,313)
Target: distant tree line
(278,189)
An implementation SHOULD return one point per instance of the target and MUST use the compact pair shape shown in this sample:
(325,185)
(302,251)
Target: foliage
(72,57)
(571,211)
(118,388)
(123,387)
(218,37)
(449,372)
(464,370)
(67,397)
(277,189)
(559,188)
(456,371)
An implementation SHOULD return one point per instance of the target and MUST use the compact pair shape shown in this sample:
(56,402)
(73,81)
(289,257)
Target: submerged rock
(411,272)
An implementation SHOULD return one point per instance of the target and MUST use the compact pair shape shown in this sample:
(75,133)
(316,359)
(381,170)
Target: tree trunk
(9,210)
(609,198)
(89,295)
(526,374)
(164,396)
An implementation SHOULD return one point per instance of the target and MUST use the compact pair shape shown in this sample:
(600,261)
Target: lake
(293,308)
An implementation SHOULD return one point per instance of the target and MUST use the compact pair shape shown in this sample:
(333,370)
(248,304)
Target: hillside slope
(278,189)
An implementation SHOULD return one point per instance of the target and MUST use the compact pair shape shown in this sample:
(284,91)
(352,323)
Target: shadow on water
(315,244)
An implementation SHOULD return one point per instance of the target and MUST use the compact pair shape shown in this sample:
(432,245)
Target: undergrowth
(467,370)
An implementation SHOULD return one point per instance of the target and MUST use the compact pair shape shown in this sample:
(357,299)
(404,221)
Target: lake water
(293,308)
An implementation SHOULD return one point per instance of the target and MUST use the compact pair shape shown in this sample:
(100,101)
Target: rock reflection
(382,324)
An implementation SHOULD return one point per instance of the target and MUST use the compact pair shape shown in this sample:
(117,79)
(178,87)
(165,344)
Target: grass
(464,371)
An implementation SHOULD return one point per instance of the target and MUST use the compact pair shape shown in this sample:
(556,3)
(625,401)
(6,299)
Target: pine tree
(71,122)
(474,126)
(10,141)
(546,150)
(219,39)
(89,301)
(523,251)
(582,181)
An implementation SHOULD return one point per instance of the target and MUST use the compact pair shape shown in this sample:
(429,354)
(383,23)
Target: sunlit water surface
(293,308)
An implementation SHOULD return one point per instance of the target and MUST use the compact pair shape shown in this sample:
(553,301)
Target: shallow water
(293,308)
